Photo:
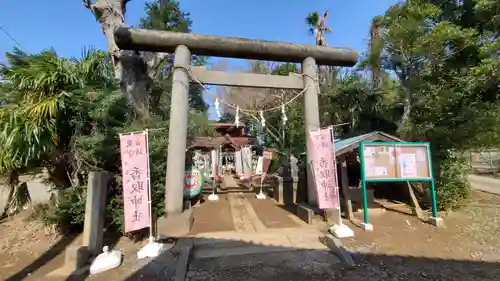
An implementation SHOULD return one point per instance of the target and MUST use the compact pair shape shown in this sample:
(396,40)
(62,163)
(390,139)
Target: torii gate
(185,44)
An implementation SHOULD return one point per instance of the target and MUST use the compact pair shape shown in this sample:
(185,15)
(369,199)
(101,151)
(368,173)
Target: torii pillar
(185,44)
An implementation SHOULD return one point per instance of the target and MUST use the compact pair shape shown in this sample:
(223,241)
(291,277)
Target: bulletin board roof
(395,161)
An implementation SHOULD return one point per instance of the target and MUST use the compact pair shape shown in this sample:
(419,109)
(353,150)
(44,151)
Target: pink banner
(324,168)
(134,177)
(266,162)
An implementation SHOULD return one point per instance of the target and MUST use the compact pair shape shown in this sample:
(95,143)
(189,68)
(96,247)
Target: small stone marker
(94,211)
(75,260)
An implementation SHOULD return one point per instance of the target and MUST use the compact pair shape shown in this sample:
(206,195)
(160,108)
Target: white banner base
(213,197)
(367,226)
(106,260)
(341,231)
(260,196)
(151,250)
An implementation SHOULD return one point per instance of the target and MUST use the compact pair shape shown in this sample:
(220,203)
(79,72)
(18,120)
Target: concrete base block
(341,231)
(373,211)
(367,226)
(183,262)
(336,246)
(305,213)
(438,222)
(285,190)
(75,262)
(66,272)
(175,225)
(76,256)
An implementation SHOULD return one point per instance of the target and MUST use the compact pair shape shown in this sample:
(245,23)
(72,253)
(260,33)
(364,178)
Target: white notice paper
(369,170)
(391,155)
(421,155)
(380,171)
(370,151)
(408,165)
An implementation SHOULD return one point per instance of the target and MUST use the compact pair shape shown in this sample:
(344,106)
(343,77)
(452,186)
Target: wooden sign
(406,161)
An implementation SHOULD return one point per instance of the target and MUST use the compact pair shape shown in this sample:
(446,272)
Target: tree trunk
(375,66)
(406,110)
(12,183)
(134,70)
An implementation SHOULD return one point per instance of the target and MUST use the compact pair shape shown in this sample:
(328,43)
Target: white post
(150,199)
(213,196)
(152,249)
(339,230)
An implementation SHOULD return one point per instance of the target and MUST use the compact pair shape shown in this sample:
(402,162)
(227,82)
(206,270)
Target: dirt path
(404,248)
(22,243)
(483,183)
(400,248)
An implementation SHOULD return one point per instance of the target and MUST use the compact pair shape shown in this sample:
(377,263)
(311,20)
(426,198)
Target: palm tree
(375,50)
(37,124)
(318,27)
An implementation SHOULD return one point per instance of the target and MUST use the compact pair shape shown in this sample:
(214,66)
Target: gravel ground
(404,248)
(291,265)
(400,248)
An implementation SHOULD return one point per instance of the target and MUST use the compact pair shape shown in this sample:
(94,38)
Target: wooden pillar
(344,184)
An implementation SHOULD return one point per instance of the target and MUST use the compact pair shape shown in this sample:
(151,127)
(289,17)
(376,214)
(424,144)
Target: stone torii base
(177,222)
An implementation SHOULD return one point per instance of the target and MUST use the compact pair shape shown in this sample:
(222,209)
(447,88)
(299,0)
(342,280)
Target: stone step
(249,257)
(206,256)
(234,190)
(235,249)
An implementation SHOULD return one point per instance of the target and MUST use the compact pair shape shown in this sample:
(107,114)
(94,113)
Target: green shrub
(67,213)
(452,185)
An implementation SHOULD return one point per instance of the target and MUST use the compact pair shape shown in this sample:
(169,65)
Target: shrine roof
(226,125)
(213,142)
(352,143)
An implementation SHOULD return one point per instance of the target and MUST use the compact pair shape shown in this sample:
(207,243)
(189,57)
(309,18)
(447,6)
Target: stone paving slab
(286,237)
(213,216)
(280,266)
(230,182)
(270,214)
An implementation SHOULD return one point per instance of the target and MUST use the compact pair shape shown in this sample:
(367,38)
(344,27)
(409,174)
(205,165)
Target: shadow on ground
(45,258)
(49,261)
(216,259)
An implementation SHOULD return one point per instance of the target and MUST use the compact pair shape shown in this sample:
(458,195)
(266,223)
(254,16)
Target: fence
(486,161)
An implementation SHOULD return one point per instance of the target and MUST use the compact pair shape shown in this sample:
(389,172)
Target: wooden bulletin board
(395,161)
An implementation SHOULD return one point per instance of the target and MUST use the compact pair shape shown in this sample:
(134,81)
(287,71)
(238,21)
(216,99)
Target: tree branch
(87,4)
(153,61)
(124,5)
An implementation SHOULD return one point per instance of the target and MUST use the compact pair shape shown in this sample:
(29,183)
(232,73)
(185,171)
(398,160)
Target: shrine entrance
(183,45)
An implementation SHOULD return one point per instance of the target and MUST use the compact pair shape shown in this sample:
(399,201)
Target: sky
(67,26)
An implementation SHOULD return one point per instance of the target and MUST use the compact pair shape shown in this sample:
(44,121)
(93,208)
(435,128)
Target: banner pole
(150,199)
(152,249)
(214,162)
(335,170)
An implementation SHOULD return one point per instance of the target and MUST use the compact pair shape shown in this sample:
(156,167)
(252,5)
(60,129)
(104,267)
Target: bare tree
(135,70)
